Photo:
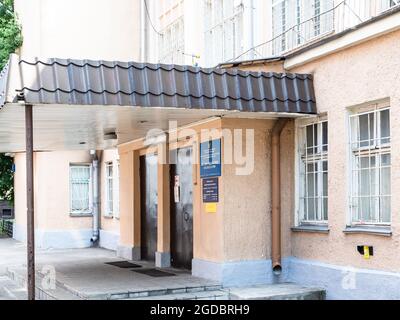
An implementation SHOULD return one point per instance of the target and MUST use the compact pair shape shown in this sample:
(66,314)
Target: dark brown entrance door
(148,206)
(182,209)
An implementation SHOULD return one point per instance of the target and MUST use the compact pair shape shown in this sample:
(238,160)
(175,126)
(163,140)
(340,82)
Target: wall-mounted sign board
(210,159)
(210,190)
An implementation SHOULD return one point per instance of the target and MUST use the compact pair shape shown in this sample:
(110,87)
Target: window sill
(80,215)
(373,230)
(311,228)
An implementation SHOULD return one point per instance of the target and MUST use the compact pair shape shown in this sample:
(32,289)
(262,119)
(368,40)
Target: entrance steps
(285,291)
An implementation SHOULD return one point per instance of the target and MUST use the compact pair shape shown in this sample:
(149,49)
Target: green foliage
(10,40)
(6,178)
(10,31)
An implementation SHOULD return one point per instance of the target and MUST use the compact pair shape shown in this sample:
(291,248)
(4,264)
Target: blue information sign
(210,190)
(210,159)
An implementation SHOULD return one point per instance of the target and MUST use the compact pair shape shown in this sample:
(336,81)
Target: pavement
(83,274)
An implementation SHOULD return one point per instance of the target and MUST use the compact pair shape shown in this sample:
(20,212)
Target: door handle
(186,216)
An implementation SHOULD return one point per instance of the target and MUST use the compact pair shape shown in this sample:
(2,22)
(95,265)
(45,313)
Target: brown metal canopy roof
(86,82)
(76,103)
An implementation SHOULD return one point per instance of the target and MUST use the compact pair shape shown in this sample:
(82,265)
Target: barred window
(370,197)
(313,169)
(80,189)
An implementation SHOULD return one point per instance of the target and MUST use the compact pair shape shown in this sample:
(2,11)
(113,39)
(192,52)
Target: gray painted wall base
(56,239)
(129,253)
(345,282)
(163,259)
(109,240)
(240,273)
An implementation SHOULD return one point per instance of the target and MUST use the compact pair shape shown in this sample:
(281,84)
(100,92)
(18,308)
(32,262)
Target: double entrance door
(181,207)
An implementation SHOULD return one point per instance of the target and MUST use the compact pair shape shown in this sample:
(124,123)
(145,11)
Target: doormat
(154,273)
(124,264)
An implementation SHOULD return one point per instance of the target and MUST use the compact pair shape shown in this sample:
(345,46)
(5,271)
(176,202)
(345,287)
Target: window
(370,197)
(313,172)
(295,22)
(112,189)
(109,189)
(80,189)
(116,193)
(223,30)
(173,43)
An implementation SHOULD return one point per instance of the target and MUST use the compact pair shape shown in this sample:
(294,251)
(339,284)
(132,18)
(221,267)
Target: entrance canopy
(83,104)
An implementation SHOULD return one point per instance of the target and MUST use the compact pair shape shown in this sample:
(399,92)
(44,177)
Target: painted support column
(30,201)
(129,247)
(163,255)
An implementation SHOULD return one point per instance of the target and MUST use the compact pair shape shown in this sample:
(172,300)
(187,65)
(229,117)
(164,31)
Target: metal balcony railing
(341,17)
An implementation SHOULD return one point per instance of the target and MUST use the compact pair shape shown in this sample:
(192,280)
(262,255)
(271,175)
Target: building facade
(338,227)
(64,197)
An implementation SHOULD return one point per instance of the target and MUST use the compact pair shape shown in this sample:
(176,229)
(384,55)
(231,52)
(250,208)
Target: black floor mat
(124,264)
(154,273)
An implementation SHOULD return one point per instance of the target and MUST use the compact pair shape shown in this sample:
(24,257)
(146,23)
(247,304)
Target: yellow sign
(366,252)
(211,207)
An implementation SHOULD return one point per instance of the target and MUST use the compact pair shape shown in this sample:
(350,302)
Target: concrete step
(9,290)
(17,276)
(282,291)
(203,295)
(165,293)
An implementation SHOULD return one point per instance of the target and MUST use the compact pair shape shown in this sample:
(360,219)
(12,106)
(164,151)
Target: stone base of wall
(345,282)
(109,240)
(56,239)
(129,253)
(240,273)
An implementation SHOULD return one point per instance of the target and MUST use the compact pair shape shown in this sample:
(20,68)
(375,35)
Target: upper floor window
(294,22)
(370,149)
(80,189)
(172,43)
(223,27)
(313,172)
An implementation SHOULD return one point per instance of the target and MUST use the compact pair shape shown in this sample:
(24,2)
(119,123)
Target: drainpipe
(276,195)
(96,197)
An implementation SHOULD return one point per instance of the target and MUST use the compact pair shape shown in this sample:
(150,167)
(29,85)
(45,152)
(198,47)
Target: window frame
(116,189)
(376,150)
(88,212)
(217,22)
(323,156)
(109,212)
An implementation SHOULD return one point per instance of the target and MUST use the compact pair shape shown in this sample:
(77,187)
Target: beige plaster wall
(52,207)
(240,229)
(247,199)
(80,29)
(361,74)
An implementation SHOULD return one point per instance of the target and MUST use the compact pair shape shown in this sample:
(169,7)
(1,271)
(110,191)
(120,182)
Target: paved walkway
(85,274)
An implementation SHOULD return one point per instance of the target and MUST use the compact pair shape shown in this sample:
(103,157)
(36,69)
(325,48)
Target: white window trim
(116,189)
(81,212)
(300,123)
(109,213)
(358,111)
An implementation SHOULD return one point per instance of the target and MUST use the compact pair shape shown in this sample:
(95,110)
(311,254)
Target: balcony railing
(343,16)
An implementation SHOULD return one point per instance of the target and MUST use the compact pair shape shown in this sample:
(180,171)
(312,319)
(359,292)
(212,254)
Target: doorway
(181,209)
(148,207)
